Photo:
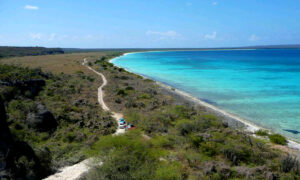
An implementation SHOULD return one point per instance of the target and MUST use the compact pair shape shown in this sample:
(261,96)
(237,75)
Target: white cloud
(215,3)
(253,38)
(30,7)
(211,36)
(164,35)
(36,36)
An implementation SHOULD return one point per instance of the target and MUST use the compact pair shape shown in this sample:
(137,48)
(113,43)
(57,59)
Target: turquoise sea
(260,86)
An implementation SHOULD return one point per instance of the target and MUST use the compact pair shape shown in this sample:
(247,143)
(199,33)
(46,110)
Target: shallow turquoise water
(261,86)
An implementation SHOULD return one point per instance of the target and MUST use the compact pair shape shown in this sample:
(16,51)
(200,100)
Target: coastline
(235,121)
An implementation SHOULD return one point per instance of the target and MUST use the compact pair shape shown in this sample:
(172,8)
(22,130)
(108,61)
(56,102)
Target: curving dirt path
(100,91)
(76,171)
(115,115)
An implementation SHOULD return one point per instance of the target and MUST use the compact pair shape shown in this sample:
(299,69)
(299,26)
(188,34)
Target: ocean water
(260,86)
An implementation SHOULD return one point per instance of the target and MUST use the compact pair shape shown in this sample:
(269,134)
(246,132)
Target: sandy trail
(78,170)
(115,115)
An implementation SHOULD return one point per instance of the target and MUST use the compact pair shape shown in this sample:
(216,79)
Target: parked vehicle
(122,123)
(122,126)
(122,119)
(130,127)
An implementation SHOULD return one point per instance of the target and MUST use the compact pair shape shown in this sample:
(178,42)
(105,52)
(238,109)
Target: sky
(149,23)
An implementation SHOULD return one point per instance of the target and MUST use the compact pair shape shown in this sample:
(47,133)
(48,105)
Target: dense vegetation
(49,114)
(186,142)
(6,51)
(59,120)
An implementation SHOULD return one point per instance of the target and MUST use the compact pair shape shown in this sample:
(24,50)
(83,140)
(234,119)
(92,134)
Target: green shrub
(278,139)
(69,137)
(206,121)
(196,140)
(147,80)
(209,148)
(91,79)
(289,163)
(161,141)
(169,171)
(236,153)
(126,156)
(121,92)
(145,96)
(129,88)
(185,127)
(79,72)
(262,132)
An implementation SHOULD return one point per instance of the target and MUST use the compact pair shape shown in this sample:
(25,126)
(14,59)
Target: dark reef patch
(292,131)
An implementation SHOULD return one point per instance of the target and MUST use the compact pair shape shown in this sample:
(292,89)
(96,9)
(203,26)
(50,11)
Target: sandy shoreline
(238,121)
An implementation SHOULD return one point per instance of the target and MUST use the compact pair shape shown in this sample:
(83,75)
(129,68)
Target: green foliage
(6,51)
(184,139)
(185,127)
(91,79)
(121,92)
(289,163)
(209,148)
(147,80)
(169,171)
(129,88)
(126,156)
(145,96)
(12,74)
(278,139)
(162,142)
(61,95)
(262,132)
(69,137)
(236,153)
(196,140)
(79,72)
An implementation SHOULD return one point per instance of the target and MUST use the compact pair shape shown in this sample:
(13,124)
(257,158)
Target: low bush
(209,148)
(185,127)
(262,132)
(289,163)
(169,171)
(145,96)
(236,153)
(162,142)
(196,140)
(91,79)
(79,72)
(278,139)
(127,156)
(121,92)
(128,88)
(69,137)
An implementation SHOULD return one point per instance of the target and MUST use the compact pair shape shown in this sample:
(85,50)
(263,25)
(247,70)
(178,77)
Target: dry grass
(63,63)
(66,63)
